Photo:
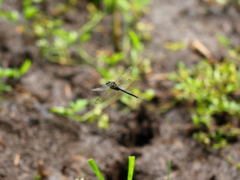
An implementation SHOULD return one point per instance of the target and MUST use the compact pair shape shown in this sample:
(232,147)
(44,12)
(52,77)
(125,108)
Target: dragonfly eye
(107,82)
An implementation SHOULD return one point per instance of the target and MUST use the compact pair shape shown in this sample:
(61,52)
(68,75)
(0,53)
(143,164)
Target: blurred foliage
(74,107)
(53,40)
(37,177)
(70,47)
(212,92)
(233,162)
(176,46)
(12,15)
(16,73)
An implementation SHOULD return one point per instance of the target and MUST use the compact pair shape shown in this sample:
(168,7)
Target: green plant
(77,107)
(13,15)
(58,44)
(12,72)
(52,39)
(169,168)
(209,90)
(37,177)
(176,46)
(130,103)
(233,162)
(131,164)
(74,107)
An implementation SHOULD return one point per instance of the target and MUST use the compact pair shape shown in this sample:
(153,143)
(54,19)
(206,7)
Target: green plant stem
(94,111)
(95,169)
(91,24)
(131,163)
(116,28)
(169,168)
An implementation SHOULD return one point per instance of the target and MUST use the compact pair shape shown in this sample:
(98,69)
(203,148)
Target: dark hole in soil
(221,119)
(213,177)
(33,122)
(118,171)
(174,167)
(144,137)
(28,55)
(155,100)
(4,48)
(142,130)
(2,175)
(232,139)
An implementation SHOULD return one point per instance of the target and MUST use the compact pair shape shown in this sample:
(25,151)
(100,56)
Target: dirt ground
(29,130)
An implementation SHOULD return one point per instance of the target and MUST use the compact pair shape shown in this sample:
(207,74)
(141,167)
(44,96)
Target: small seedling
(74,107)
(131,164)
(12,72)
(211,92)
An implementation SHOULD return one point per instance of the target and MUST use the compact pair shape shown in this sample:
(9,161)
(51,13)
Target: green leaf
(85,37)
(103,121)
(13,15)
(5,87)
(169,168)
(25,66)
(37,177)
(27,3)
(149,94)
(131,164)
(124,5)
(59,110)
(95,169)
(9,72)
(72,36)
(135,40)
(223,40)
(80,105)
(30,11)
(177,46)
(104,72)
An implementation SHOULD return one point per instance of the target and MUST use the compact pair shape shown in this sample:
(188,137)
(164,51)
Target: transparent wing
(122,79)
(125,84)
(122,82)
(109,93)
(102,88)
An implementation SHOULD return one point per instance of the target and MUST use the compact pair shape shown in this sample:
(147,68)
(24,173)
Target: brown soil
(30,132)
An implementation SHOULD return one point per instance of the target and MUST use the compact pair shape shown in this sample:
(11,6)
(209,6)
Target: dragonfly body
(112,85)
(115,87)
(120,85)
(128,93)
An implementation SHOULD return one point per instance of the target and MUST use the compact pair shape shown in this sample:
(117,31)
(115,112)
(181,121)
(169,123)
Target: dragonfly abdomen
(120,89)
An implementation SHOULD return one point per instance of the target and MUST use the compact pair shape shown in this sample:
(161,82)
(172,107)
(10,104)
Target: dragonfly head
(108,82)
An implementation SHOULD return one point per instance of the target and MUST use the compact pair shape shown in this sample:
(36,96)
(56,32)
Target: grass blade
(25,66)
(131,163)
(95,169)
(169,168)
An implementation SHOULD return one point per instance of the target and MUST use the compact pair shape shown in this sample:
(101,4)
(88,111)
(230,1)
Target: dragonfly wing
(103,88)
(108,94)
(102,97)
(122,78)
(125,84)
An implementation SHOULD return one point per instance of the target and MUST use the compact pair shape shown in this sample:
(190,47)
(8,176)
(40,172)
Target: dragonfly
(111,88)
